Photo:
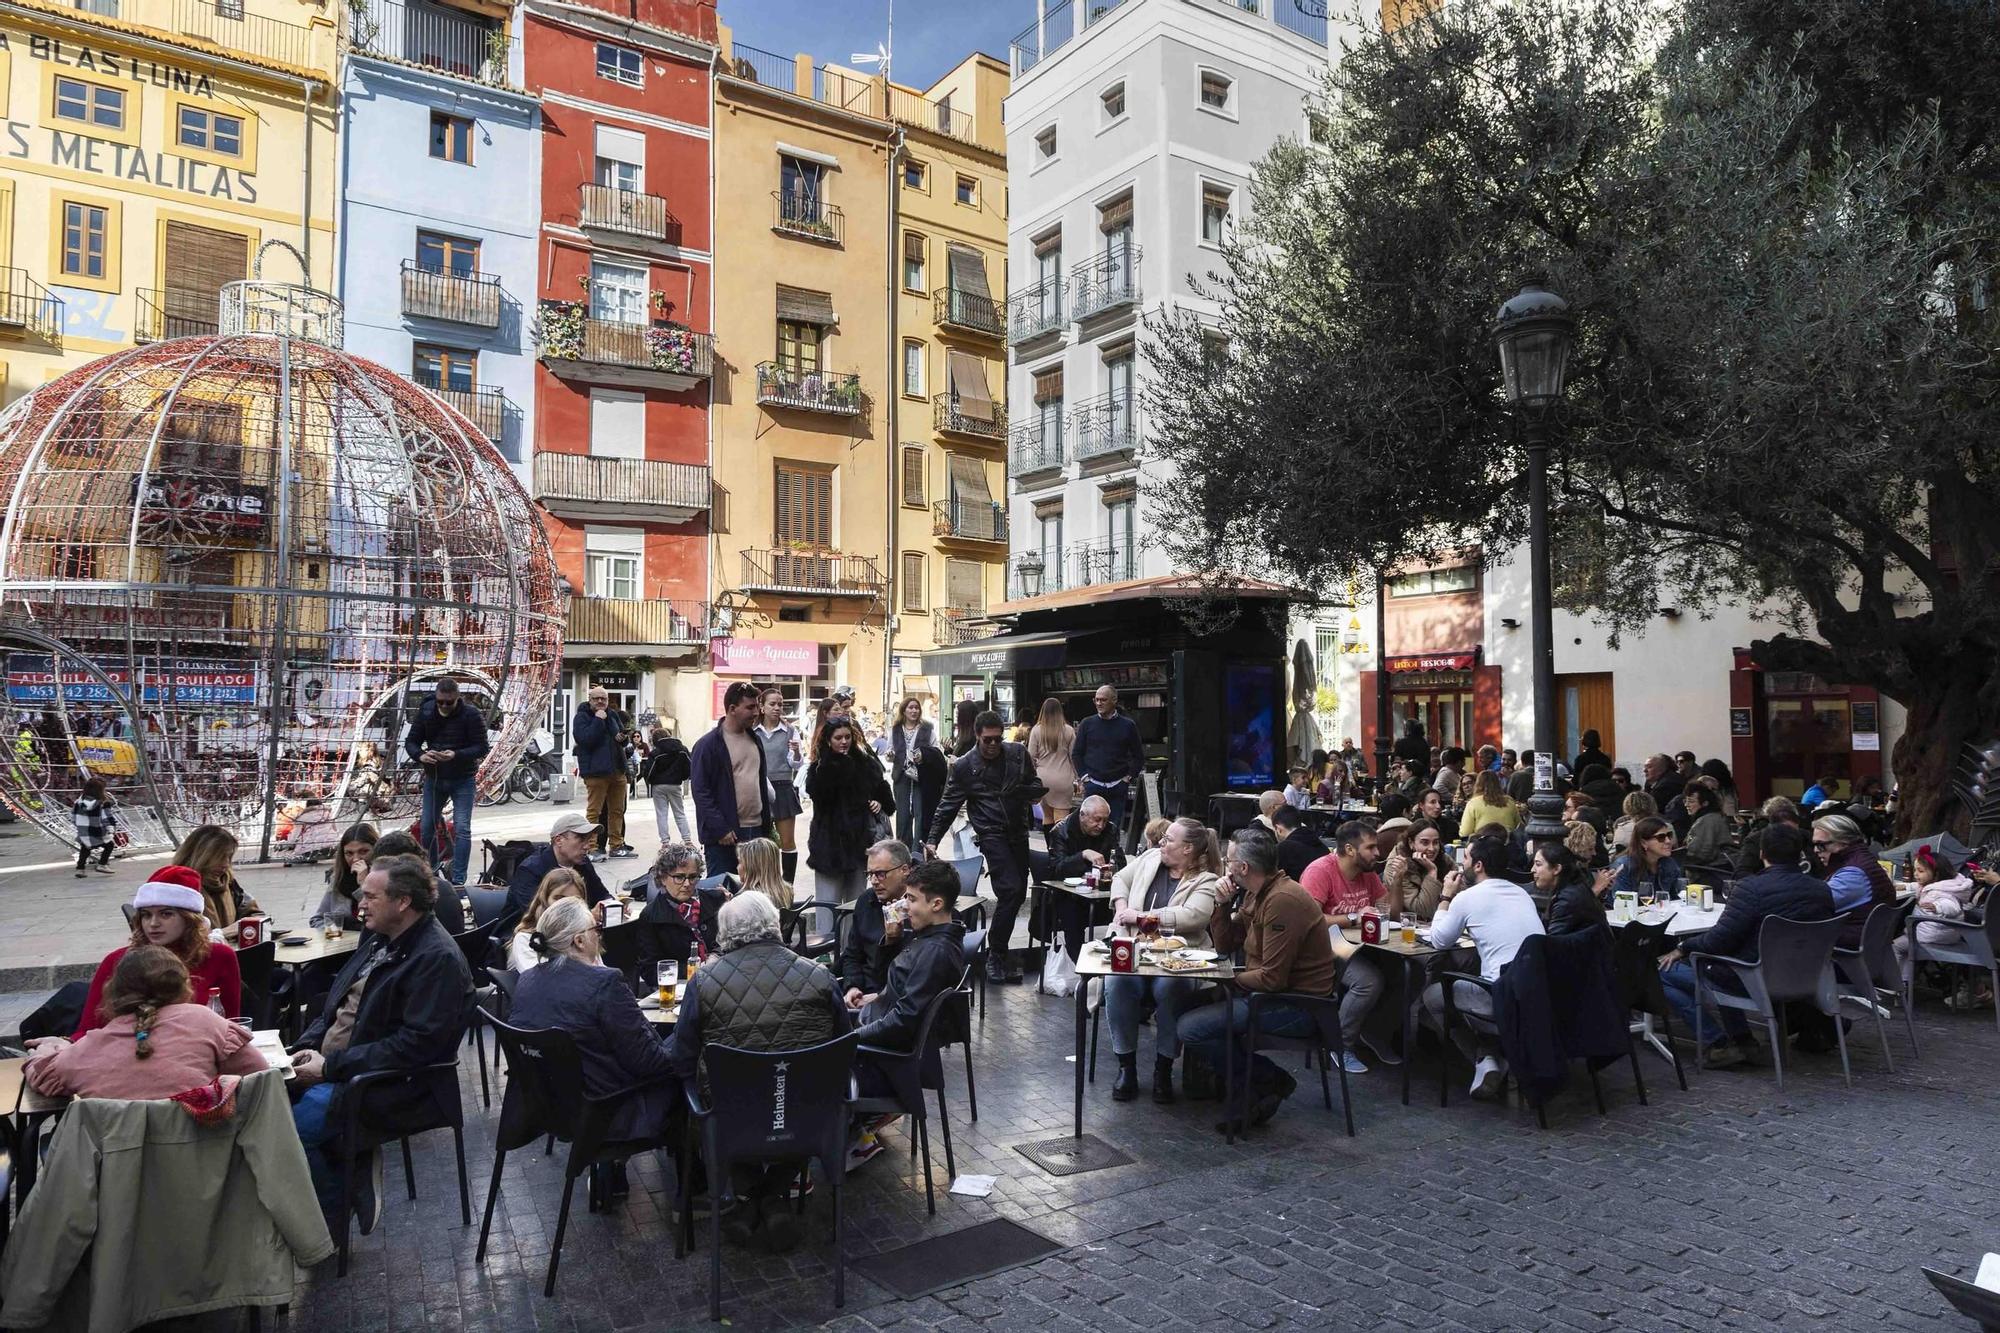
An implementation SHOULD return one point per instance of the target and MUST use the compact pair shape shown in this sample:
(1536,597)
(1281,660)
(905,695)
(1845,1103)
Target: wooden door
(1585,702)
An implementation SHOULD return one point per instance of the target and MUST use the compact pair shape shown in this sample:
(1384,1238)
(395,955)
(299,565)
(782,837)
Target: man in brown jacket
(1286,948)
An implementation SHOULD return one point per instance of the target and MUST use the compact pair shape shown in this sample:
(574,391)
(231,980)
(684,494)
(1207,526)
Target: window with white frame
(621,159)
(1112,100)
(617,424)
(617,292)
(620,64)
(1045,145)
(1218,91)
(1215,204)
(913,261)
(614,562)
(1424,582)
(913,368)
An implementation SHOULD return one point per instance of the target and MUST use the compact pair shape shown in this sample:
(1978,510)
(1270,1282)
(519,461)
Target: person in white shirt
(1498,914)
(1298,792)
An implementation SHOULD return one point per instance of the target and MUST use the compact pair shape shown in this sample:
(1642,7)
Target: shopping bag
(1059,974)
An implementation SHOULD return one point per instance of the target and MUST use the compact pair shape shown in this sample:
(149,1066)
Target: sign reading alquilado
(99,157)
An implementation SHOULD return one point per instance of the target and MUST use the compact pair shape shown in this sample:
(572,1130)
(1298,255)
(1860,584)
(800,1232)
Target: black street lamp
(1532,333)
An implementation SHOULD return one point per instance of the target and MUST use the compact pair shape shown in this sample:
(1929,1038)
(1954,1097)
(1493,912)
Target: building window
(798,347)
(1216,90)
(1049,539)
(91,103)
(802,185)
(1119,517)
(1319,129)
(805,506)
(611,572)
(617,424)
(913,175)
(85,237)
(451,368)
(619,162)
(913,369)
(451,138)
(913,262)
(620,64)
(1045,145)
(1215,212)
(913,580)
(1113,101)
(1424,582)
(210,131)
(968,191)
(913,476)
(617,292)
(447,254)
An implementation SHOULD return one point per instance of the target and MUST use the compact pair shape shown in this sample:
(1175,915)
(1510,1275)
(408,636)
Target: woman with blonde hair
(1638,805)
(560,883)
(210,851)
(1490,805)
(759,870)
(1049,742)
(1176,883)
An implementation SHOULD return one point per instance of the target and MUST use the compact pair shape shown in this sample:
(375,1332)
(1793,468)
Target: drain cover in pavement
(1069,1156)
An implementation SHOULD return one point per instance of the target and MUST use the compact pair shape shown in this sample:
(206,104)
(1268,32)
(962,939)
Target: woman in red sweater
(168,911)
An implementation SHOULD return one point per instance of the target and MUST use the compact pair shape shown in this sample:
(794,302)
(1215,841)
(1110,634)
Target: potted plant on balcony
(559,329)
(672,347)
(846,393)
(496,56)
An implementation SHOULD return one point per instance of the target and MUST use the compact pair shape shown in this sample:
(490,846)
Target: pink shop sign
(766,657)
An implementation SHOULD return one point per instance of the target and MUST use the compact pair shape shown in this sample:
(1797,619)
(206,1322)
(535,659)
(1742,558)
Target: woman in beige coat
(1176,882)
(1049,742)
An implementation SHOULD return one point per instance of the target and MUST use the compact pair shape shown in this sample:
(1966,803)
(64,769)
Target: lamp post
(1532,333)
(1383,740)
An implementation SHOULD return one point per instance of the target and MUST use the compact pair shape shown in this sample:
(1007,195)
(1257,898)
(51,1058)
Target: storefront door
(1811,734)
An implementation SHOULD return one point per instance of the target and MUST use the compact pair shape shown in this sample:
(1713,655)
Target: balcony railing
(629,622)
(628,212)
(667,355)
(955,625)
(165,313)
(949,415)
(970,311)
(819,573)
(28,307)
(808,219)
(228,26)
(913,108)
(969,521)
(780,385)
(485,408)
(585,486)
(1106,282)
(1035,445)
(431,36)
(1083,565)
(753,65)
(459,298)
(1041,41)
(1104,426)
(1035,311)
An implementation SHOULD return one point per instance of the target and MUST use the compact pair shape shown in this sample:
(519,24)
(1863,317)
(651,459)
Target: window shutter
(913,247)
(1115,216)
(968,271)
(968,481)
(1049,244)
(913,581)
(965,585)
(805,307)
(784,528)
(968,384)
(1049,384)
(819,511)
(1215,196)
(913,475)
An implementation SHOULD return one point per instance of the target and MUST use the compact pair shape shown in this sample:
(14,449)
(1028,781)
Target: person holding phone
(600,733)
(448,740)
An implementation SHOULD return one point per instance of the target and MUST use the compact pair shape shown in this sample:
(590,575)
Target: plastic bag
(1059,974)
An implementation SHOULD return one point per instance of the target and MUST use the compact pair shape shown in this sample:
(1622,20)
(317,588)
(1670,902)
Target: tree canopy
(1778,246)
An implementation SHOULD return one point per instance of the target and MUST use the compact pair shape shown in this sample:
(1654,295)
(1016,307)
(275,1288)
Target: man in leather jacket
(995,784)
(930,962)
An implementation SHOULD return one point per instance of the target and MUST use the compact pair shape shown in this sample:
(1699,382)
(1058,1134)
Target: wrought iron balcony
(951,626)
(486,408)
(1036,445)
(585,487)
(1109,282)
(27,307)
(808,219)
(165,313)
(667,356)
(951,417)
(432,36)
(625,622)
(970,522)
(968,312)
(780,385)
(627,212)
(459,298)
(1035,311)
(1104,426)
(1082,565)
(913,108)
(811,573)
(228,26)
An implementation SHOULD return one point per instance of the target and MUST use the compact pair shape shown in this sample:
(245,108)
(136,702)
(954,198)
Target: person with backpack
(667,771)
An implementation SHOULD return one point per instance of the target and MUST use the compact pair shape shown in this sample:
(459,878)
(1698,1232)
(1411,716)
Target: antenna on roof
(880,55)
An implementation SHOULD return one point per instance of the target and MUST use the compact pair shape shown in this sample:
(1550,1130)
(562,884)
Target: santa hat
(170,886)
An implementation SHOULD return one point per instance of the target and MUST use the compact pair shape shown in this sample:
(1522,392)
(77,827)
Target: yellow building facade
(148,148)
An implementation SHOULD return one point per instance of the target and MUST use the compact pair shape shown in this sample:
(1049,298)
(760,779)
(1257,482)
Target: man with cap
(448,741)
(572,838)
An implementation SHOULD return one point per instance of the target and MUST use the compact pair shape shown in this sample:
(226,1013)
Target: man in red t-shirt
(1343,884)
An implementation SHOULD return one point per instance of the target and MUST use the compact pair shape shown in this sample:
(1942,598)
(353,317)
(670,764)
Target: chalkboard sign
(1864,718)
(1739,722)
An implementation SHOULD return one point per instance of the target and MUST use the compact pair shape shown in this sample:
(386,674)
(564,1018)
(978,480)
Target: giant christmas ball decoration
(232,567)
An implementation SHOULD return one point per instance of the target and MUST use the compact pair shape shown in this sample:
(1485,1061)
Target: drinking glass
(669,977)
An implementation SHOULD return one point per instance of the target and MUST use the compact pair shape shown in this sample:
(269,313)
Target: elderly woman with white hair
(573,992)
(1854,876)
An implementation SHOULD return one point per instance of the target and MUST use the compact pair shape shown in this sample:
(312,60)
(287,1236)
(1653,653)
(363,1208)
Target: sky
(932,36)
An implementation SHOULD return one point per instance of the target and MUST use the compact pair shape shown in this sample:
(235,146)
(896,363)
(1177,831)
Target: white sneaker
(1488,1078)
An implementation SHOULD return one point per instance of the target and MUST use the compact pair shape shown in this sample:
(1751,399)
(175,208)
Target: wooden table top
(315,947)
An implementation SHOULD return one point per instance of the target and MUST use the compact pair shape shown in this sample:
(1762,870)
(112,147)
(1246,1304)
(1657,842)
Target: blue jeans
(1124,997)
(1204,1029)
(460,792)
(719,858)
(312,1115)
(1678,982)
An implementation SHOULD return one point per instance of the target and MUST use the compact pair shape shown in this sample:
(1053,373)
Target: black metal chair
(1325,1046)
(257,969)
(621,950)
(476,947)
(975,962)
(973,918)
(1794,962)
(763,1107)
(545,1096)
(1870,974)
(1635,965)
(795,928)
(447,1113)
(912,1073)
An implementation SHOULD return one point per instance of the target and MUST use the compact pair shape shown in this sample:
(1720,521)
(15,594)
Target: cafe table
(1087,902)
(1094,964)
(1412,958)
(660,1017)
(311,946)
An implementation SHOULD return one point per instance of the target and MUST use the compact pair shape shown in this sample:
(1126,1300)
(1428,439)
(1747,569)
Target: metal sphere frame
(230,569)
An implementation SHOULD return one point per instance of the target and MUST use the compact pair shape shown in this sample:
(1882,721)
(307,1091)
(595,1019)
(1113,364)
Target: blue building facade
(440,206)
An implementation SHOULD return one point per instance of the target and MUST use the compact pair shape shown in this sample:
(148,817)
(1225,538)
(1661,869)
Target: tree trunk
(1947,709)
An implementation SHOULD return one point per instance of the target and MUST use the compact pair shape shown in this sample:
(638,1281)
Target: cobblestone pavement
(1728,1206)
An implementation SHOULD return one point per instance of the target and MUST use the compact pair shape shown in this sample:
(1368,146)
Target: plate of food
(1074,881)
(1164,944)
(1179,962)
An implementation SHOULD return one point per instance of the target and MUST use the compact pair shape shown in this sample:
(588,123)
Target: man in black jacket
(1782,890)
(1108,755)
(875,931)
(571,839)
(401,1002)
(1298,846)
(1086,838)
(995,783)
(930,962)
(448,740)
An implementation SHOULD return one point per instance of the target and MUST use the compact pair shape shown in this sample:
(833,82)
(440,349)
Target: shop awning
(1002,652)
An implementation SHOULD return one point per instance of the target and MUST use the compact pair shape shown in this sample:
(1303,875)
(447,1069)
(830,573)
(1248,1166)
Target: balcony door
(1115,224)
(1048,279)
(801,185)
(198,263)
(447,254)
(448,369)
(621,159)
(1118,379)
(1120,517)
(617,292)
